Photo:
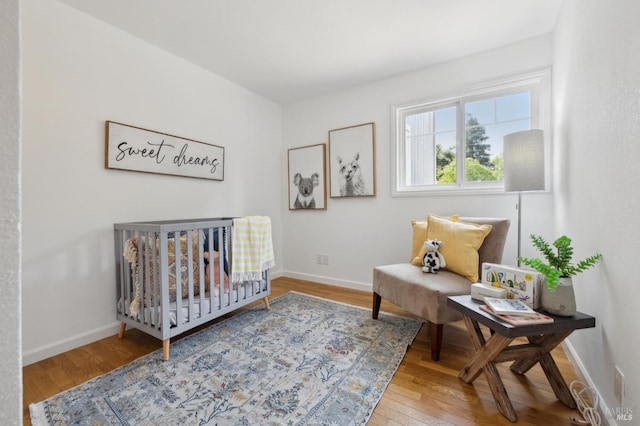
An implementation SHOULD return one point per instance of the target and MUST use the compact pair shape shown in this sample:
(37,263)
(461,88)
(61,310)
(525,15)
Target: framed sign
(353,161)
(307,182)
(141,150)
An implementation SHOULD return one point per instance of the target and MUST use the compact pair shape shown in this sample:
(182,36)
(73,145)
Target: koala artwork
(305,198)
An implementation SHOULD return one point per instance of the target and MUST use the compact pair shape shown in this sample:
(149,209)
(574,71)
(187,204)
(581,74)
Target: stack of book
(514,312)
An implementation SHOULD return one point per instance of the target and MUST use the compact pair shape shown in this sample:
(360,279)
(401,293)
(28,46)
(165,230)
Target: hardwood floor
(422,392)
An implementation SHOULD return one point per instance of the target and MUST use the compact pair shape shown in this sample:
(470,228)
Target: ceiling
(289,50)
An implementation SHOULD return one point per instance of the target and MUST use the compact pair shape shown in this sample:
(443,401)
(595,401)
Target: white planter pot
(560,302)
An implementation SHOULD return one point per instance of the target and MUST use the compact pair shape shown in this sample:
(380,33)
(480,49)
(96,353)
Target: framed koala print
(353,161)
(307,181)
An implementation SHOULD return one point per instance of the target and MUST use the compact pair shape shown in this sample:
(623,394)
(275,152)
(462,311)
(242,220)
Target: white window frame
(538,83)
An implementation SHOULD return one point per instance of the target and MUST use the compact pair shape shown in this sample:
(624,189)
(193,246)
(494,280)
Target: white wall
(597,120)
(360,233)
(79,72)
(10,371)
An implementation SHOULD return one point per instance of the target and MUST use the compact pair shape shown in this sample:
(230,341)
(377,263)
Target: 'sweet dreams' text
(156,152)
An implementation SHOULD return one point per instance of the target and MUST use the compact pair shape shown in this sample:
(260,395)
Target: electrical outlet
(322,259)
(325,258)
(618,385)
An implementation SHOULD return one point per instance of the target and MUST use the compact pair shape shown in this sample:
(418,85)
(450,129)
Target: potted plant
(558,270)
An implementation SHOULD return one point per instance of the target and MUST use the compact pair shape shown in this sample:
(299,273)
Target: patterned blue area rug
(306,361)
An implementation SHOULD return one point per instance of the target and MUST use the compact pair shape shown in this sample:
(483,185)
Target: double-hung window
(454,143)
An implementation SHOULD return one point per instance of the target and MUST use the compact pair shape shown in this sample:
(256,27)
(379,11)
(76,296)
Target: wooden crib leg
(123,326)
(165,349)
(266,303)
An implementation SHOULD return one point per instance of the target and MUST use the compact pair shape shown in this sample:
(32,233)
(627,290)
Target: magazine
(509,306)
(520,319)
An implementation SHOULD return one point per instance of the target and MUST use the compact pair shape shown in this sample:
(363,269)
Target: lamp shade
(524,161)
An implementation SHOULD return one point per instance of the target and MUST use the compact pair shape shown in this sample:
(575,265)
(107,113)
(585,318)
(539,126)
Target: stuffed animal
(433,260)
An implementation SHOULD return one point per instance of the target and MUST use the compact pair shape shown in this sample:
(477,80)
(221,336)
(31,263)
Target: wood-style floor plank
(422,392)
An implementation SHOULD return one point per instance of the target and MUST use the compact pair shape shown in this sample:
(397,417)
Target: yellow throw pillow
(419,228)
(461,243)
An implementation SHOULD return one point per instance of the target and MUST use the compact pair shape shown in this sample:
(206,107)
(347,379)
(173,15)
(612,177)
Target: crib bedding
(173,275)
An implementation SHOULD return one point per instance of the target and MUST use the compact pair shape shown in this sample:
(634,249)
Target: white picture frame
(140,150)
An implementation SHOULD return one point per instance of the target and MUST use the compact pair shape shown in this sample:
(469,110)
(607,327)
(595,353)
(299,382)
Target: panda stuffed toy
(433,260)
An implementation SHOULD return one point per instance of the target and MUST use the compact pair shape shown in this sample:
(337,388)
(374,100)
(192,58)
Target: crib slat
(221,256)
(125,276)
(212,276)
(190,283)
(229,246)
(165,324)
(149,252)
(130,281)
(178,275)
(142,273)
(201,269)
(153,318)
(121,276)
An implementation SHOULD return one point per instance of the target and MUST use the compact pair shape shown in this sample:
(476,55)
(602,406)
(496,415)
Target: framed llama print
(307,181)
(352,161)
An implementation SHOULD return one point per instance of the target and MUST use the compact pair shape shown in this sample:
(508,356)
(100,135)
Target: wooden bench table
(542,339)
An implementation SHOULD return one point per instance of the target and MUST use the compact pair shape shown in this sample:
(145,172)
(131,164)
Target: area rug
(307,360)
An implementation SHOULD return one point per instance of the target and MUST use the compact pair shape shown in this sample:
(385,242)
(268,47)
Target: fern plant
(558,260)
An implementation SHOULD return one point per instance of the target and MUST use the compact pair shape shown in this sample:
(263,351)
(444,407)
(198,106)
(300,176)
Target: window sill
(459,192)
(448,192)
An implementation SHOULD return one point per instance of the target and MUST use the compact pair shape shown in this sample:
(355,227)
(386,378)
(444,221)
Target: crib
(174,275)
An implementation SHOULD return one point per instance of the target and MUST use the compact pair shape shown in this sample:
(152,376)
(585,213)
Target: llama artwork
(350,175)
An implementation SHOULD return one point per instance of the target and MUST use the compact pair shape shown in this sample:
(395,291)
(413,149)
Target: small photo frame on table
(307,180)
(352,161)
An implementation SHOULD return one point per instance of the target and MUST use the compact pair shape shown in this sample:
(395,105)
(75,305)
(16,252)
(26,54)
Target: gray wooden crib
(173,275)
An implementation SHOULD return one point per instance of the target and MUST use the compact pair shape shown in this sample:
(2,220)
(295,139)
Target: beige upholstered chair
(424,294)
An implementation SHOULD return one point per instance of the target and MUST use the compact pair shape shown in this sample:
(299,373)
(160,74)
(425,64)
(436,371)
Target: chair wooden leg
(436,340)
(377,299)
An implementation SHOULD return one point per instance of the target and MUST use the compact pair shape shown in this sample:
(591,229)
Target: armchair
(424,294)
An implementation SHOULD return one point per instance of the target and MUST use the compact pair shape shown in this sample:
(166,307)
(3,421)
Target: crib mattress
(238,292)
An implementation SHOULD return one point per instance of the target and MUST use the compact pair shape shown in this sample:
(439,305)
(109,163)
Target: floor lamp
(523,167)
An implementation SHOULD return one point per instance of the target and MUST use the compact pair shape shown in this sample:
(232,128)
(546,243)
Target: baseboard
(55,348)
(585,378)
(276,274)
(330,281)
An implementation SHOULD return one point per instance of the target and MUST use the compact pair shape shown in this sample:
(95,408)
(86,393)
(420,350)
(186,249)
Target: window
(454,143)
